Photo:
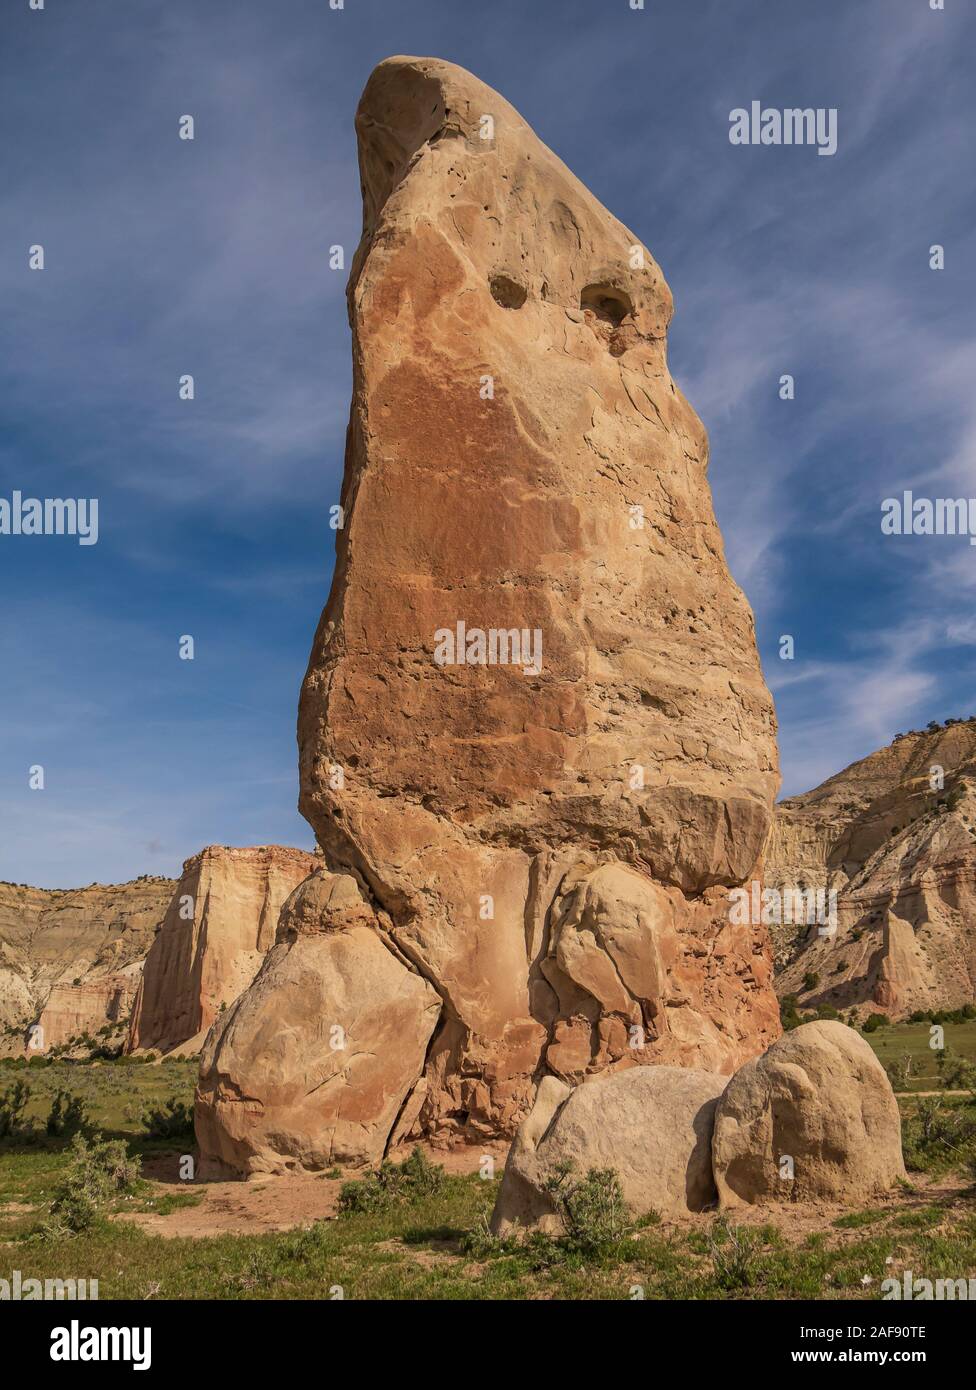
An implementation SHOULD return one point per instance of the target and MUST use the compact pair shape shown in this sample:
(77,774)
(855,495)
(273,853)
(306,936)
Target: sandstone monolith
(533,727)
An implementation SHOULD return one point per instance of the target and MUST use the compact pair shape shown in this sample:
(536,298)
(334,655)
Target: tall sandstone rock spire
(535,742)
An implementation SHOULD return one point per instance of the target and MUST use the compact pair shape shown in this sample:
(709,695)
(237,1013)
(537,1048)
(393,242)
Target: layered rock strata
(893,836)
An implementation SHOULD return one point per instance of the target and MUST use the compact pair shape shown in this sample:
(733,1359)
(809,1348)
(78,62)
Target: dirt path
(909,1094)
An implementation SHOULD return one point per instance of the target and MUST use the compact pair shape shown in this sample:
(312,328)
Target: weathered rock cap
(323,902)
(652,1125)
(818,1105)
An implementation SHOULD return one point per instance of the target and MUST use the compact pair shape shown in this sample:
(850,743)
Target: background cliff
(895,836)
(65,954)
(219,925)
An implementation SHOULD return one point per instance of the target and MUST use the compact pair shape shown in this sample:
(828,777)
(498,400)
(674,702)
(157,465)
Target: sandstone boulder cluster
(813,1119)
(534,734)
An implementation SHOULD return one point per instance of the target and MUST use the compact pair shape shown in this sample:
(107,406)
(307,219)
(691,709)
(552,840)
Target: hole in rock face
(507,293)
(606,303)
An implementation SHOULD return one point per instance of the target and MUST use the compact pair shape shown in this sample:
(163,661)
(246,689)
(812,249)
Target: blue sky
(211,257)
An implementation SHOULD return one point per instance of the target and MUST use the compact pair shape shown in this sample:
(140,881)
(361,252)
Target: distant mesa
(146,965)
(894,835)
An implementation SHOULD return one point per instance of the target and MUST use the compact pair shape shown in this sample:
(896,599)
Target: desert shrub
(875,1021)
(826,1011)
(98,1171)
(391,1185)
(594,1215)
(13,1103)
(595,1224)
(938,1135)
(736,1255)
(900,1071)
(171,1120)
(810,980)
(310,1242)
(963,1015)
(481,1243)
(956,1073)
(67,1115)
(788,1015)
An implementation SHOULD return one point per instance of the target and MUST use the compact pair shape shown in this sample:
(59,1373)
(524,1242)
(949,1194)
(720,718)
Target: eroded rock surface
(313,1064)
(814,1119)
(651,1125)
(76,1012)
(533,726)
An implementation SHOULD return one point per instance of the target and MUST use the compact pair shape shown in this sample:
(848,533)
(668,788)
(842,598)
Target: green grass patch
(913,1040)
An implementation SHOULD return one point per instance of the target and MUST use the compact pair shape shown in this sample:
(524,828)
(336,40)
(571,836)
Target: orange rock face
(219,925)
(534,727)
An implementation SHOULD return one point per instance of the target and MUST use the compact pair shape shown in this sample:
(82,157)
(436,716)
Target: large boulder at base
(820,1098)
(312,1065)
(652,1125)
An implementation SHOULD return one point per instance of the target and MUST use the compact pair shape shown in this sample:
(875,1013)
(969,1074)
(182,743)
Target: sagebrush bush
(736,1255)
(67,1115)
(392,1184)
(99,1170)
(13,1103)
(171,1120)
(594,1214)
(938,1135)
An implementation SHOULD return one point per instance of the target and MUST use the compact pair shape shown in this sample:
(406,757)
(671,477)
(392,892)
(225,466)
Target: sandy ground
(272,1203)
(282,1203)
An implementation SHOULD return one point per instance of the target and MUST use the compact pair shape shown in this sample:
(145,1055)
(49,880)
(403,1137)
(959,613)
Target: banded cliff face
(219,924)
(70,958)
(894,835)
(535,742)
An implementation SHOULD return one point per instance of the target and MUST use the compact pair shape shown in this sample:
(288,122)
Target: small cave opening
(607,303)
(507,292)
